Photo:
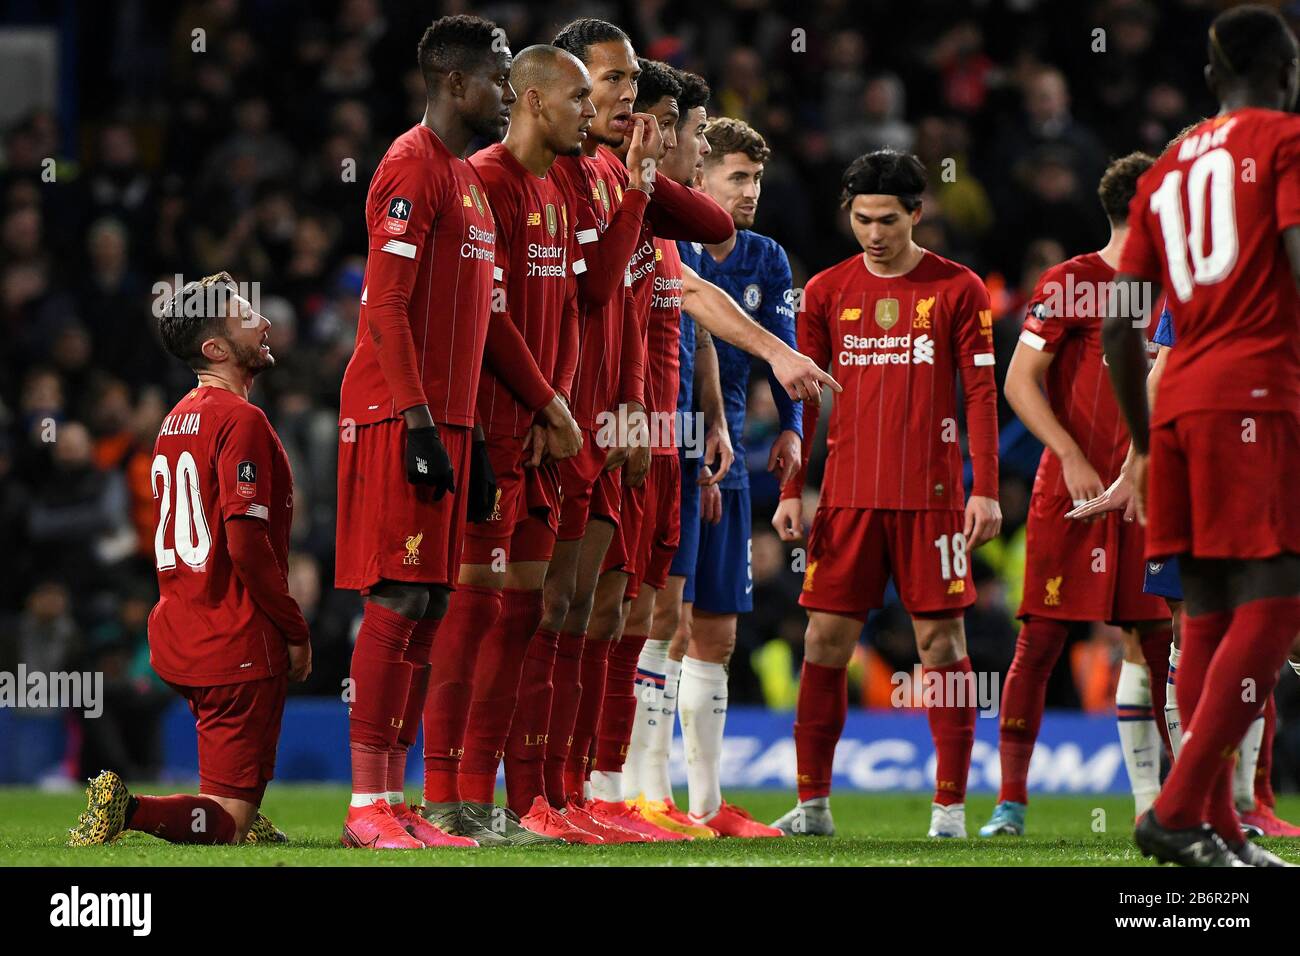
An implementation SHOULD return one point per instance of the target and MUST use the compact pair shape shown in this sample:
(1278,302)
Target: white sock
(702,702)
(366,799)
(1138,736)
(607,786)
(655,778)
(1243,774)
(649,700)
(1173,722)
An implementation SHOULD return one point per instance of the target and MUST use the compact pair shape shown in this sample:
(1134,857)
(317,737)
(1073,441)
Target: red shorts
(238,728)
(1222,485)
(520,492)
(1085,571)
(623,553)
(587,489)
(389,529)
(852,553)
(661,527)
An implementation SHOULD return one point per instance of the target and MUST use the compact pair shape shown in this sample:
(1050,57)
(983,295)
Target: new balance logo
(923,350)
(421,465)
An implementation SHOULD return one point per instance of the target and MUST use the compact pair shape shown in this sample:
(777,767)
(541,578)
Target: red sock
(953,728)
(1037,649)
(381,678)
(496,689)
(595,661)
(618,712)
(182,818)
(1264,766)
(418,650)
(526,748)
(818,723)
(1222,655)
(1155,651)
(566,681)
(471,613)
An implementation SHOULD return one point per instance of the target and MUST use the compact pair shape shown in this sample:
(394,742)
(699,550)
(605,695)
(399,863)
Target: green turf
(880,830)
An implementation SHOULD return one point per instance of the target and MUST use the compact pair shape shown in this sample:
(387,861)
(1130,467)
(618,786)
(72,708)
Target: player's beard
(252,360)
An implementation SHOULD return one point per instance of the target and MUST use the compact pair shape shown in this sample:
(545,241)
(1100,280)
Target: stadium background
(168,160)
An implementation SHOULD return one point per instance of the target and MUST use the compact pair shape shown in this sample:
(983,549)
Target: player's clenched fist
(801,376)
(482,498)
(299,662)
(788,519)
(427,462)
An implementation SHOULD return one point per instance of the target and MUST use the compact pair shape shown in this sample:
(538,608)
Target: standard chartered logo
(886,350)
(923,350)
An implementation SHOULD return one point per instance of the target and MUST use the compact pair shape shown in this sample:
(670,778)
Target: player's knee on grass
(939,641)
(830,638)
(409,600)
(241,811)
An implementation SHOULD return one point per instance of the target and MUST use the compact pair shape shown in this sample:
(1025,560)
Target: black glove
(482,484)
(427,462)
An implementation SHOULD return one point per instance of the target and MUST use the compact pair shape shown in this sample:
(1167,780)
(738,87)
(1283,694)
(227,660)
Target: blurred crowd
(220,134)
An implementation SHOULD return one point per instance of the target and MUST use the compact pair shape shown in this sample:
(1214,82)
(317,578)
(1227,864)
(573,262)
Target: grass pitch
(874,830)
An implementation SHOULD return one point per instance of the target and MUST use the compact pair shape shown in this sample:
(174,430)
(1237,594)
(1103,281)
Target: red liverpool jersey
(1206,222)
(664,333)
(428,287)
(535,238)
(1064,320)
(216,458)
(595,182)
(896,345)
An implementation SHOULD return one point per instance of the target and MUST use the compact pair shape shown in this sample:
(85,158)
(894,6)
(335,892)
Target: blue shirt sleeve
(776,313)
(1165,329)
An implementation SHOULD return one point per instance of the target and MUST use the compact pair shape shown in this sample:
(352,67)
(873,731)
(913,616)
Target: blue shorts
(724,573)
(688,546)
(1162,578)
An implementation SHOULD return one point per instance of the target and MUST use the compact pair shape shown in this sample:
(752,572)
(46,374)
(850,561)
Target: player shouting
(1077,571)
(408,476)
(1224,436)
(899,323)
(226,634)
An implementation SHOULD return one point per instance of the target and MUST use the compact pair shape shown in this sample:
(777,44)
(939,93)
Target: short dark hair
(657,80)
(885,172)
(459,42)
(695,92)
(580,35)
(1249,40)
(727,135)
(195,313)
(1119,183)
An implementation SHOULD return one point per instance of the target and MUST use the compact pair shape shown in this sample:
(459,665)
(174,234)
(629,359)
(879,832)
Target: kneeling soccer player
(224,497)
